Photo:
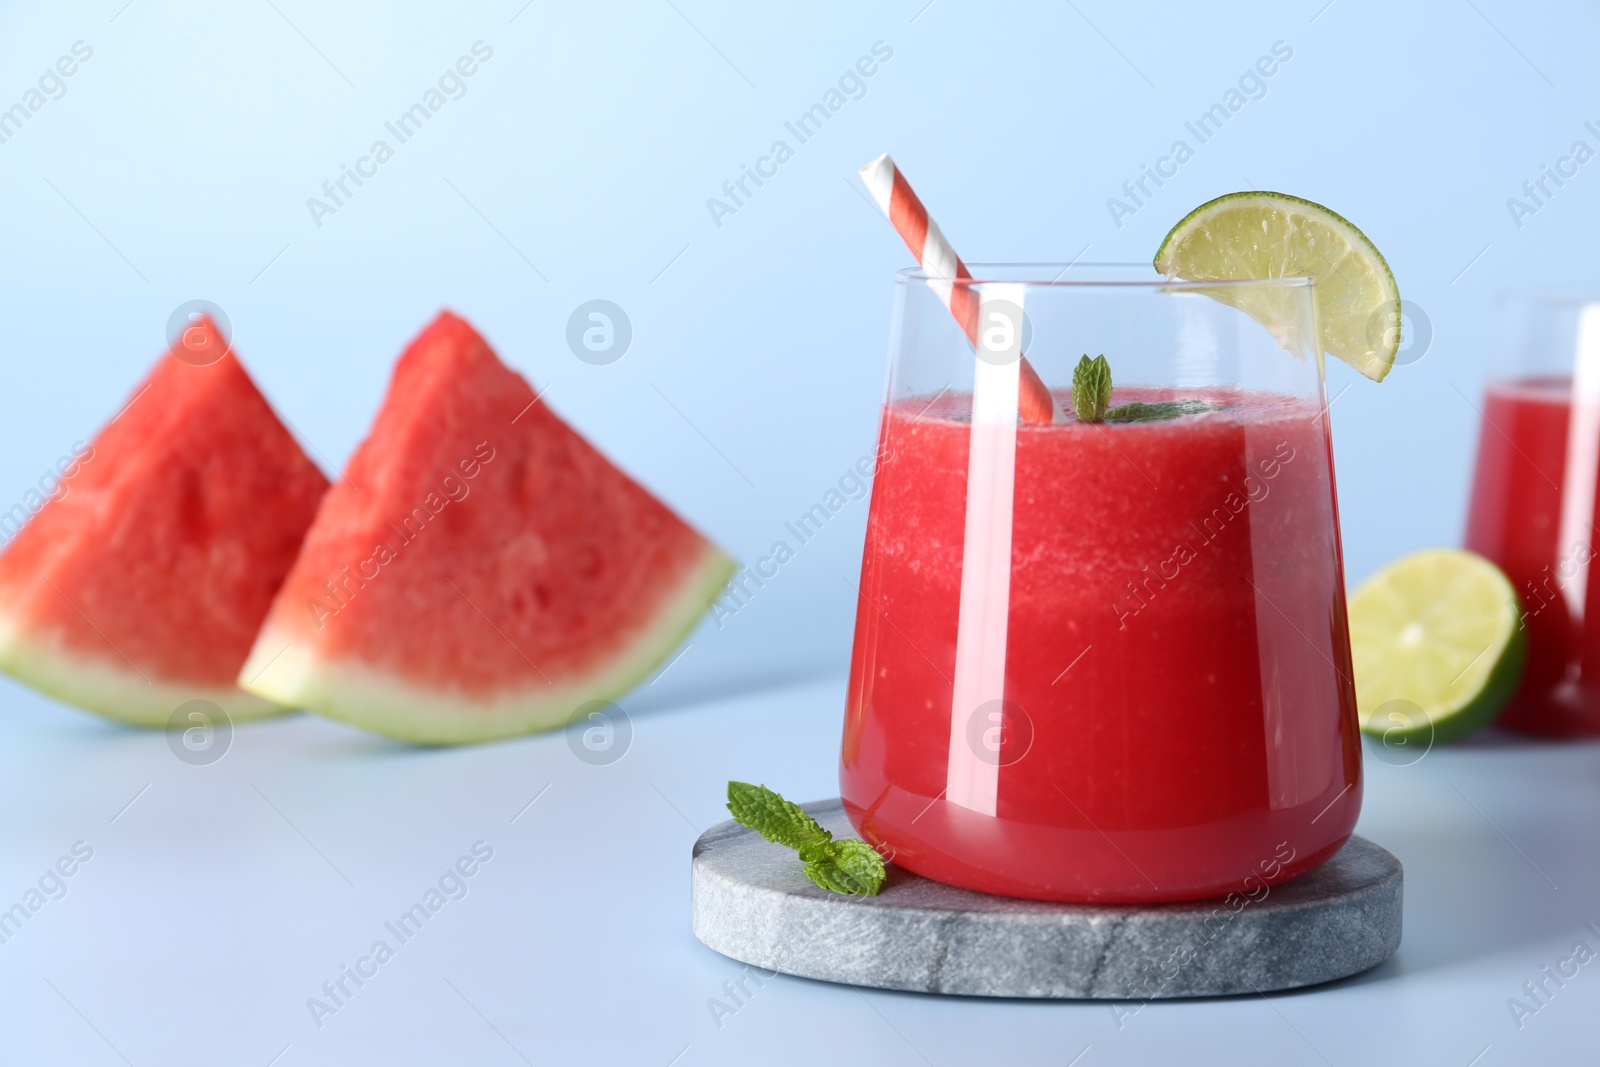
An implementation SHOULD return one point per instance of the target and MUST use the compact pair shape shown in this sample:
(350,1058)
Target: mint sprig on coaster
(1091,398)
(851,866)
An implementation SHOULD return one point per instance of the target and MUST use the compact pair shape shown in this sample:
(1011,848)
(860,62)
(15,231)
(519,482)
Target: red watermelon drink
(1533,506)
(1105,660)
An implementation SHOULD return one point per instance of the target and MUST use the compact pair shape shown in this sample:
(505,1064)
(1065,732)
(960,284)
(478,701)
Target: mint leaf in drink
(1162,409)
(840,866)
(1091,388)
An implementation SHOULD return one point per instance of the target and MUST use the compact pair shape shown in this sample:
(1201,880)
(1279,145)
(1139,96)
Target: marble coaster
(751,901)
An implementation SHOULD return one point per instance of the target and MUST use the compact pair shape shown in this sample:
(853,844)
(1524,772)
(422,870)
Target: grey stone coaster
(750,900)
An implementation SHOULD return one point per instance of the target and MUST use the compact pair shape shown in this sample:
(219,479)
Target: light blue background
(578,166)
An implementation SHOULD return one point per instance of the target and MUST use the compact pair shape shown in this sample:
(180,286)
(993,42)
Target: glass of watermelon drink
(1533,503)
(1105,661)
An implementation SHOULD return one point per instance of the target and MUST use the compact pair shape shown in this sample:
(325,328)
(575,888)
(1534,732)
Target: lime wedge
(1273,235)
(1438,646)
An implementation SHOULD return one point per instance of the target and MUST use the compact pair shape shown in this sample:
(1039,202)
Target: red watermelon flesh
(480,571)
(144,585)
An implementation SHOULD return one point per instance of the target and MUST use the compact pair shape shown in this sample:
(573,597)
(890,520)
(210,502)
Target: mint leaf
(851,866)
(774,818)
(1162,409)
(1091,388)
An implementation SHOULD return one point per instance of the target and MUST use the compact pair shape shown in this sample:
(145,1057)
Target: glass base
(950,844)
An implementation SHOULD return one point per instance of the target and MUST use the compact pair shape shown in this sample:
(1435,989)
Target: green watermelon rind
(95,684)
(290,673)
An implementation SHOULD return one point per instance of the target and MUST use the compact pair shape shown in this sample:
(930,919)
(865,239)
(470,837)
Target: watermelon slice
(142,584)
(481,570)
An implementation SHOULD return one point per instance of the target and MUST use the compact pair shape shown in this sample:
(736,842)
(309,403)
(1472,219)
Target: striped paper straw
(927,242)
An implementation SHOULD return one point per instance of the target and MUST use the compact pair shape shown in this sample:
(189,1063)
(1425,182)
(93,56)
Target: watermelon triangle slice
(480,571)
(141,585)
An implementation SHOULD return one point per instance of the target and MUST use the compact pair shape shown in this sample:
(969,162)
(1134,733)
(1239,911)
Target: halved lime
(1439,634)
(1273,235)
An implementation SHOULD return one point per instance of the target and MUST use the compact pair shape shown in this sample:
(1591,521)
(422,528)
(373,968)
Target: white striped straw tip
(878,177)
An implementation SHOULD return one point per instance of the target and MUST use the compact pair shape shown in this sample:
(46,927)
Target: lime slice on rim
(1438,646)
(1273,235)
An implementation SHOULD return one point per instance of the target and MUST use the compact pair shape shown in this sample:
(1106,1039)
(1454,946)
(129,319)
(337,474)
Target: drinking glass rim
(1532,298)
(980,272)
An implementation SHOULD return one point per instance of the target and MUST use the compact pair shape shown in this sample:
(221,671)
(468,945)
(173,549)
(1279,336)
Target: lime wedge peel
(1439,631)
(1274,235)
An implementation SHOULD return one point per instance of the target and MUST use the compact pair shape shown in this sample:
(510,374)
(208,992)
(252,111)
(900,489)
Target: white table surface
(219,901)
